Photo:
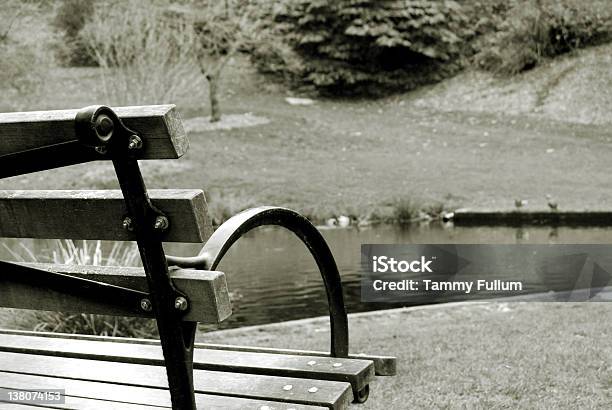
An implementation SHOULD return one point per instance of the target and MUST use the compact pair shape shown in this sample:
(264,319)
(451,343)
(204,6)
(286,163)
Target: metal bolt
(145,304)
(287,387)
(181,303)
(104,127)
(337,364)
(313,390)
(128,224)
(135,142)
(161,223)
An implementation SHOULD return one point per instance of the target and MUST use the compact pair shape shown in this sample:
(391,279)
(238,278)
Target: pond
(273,278)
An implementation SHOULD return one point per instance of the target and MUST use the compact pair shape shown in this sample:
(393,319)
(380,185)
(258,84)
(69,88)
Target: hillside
(572,88)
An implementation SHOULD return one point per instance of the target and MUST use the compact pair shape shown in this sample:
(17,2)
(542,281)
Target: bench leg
(177,337)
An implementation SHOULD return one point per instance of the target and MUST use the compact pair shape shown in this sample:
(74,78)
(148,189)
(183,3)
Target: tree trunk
(213,95)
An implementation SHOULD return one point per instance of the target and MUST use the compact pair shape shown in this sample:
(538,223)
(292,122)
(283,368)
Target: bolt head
(181,303)
(128,224)
(145,304)
(104,127)
(161,223)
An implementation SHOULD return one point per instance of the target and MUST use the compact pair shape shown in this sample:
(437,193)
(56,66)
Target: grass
(357,157)
(476,356)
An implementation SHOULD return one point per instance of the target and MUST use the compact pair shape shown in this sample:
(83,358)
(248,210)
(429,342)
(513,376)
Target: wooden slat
(383,365)
(330,394)
(160,126)
(15,406)
(207,291)
(98,214)
(357,372)
(72,402)
(115,394)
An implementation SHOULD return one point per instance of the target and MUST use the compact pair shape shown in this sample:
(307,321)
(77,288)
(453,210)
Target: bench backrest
(34,141)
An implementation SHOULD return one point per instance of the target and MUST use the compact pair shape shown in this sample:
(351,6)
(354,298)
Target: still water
(273,278)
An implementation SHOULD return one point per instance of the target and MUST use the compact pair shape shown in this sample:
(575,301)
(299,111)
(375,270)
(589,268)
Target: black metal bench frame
(102,135)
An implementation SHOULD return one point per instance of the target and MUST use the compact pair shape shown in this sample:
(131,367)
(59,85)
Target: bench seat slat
(98,214)
(357,372)
(383,365)
(207,291)
(160,127)
(131,394)
(330,394)
(83,403)
(16,406)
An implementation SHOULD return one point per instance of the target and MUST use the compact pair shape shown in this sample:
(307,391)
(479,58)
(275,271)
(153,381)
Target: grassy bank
(477,356)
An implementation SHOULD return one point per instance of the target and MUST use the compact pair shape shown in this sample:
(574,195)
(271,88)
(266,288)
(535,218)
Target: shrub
(349,46)
(144,57)
(533,30)
(20,75)
(574,24)
(70,18)
(18,67)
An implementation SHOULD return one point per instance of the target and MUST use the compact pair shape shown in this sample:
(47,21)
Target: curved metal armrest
(230,231)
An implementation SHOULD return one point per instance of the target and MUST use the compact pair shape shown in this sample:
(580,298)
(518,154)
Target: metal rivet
(145,304)
(313,390)
(287,387)
(135,142)
(312,363)
(128,225)
(180,303)
(161,223)
(337,364)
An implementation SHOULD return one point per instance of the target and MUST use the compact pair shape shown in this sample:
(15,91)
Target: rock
(299,101)
(343,221)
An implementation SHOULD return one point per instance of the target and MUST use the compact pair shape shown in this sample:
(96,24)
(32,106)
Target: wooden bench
(101,372)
